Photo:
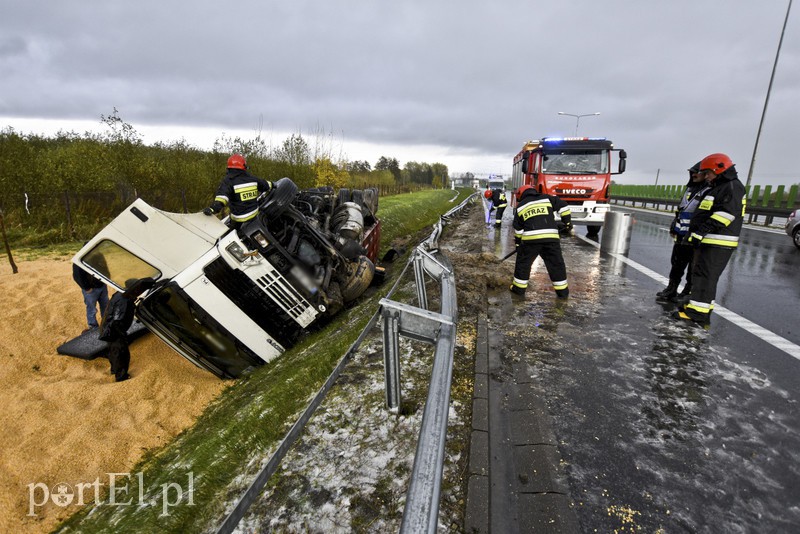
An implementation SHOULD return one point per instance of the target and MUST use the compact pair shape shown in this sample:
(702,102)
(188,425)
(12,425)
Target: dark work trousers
(120,357)
(551,255)
(708,264)
(681,258)
(498,215)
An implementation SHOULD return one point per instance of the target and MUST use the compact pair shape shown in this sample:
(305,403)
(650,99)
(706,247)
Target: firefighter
(239,191)
(488,196)
(682,253)
(714,232)
(500,202)
(536,234)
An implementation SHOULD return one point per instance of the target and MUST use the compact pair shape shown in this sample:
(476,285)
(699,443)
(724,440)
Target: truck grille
(284,294)
(254,301)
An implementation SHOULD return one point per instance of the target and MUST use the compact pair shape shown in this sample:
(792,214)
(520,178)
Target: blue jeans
(91,298)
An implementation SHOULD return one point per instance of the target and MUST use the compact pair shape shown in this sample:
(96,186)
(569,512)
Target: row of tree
(55,184)
(119,160)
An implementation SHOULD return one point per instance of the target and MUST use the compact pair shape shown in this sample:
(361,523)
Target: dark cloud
(672,81)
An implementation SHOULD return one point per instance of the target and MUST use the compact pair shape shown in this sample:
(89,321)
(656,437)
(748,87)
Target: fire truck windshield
(576,162)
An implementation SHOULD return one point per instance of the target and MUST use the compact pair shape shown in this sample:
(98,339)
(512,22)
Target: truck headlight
(260,239)
(235,250)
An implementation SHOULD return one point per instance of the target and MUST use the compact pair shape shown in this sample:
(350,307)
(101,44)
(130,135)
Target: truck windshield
(117,265)
(497,184)
(576,162)
(195,332)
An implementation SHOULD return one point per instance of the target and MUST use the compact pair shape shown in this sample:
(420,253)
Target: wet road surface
(660,425)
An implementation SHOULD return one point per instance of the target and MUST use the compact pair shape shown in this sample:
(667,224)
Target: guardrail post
(391,357)
(419,277)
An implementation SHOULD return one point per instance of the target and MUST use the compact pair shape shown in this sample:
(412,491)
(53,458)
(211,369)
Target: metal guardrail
(752,212)
(422,500)
(421,511)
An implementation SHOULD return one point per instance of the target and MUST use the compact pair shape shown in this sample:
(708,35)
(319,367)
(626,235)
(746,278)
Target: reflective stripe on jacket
(239,191)
(720,212)
(688,206)
(534,217)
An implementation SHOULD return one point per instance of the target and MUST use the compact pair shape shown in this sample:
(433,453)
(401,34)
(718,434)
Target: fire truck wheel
(593,230)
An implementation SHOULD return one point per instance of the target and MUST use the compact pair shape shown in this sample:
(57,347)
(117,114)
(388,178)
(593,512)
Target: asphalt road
(663,426)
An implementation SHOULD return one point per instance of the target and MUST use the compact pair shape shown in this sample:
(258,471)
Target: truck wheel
(281,197)
(372,195)
(343,196)
(361,274)
(334,300)
(358,197)
(593,230)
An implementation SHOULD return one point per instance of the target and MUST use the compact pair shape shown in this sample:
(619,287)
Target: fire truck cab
(576,169)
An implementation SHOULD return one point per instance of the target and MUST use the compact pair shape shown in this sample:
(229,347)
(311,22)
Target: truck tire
(371,197)
(358,197)
(281,197)
(368,200)
(343,196)
(360,278)
(334,300)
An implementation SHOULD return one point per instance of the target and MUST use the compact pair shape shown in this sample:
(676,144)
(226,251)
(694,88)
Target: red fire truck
(577,169)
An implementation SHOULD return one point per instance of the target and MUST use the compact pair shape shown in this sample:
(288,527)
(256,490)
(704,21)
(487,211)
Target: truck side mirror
(524,165)
(623,159)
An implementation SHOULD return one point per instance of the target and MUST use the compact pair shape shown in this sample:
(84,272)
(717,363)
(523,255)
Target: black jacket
(239,191)
(534,217)
(85,280)
(688,205)
(120,310)
(720,213)
(499,198)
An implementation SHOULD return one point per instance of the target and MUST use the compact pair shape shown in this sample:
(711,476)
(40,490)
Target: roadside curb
(516,481)
(476,518)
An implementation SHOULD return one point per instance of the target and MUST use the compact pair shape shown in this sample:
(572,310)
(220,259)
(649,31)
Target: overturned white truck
(231,300)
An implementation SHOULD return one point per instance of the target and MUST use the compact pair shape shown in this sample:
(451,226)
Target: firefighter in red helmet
(239,191)
(714,233)
(536,234)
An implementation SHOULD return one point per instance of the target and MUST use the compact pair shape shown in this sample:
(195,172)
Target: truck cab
(576,169)
(230,300)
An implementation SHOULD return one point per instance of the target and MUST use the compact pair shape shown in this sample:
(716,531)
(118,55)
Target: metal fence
(766,202)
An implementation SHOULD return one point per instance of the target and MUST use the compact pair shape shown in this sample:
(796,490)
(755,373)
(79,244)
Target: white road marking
(760,332)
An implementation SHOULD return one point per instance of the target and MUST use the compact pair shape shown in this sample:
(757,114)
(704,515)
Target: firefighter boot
(562,293)
(683,296)
(691,317)
(517,290)
(669,292)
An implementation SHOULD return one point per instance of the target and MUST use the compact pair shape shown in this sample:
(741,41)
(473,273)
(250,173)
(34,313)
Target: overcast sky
(464,83)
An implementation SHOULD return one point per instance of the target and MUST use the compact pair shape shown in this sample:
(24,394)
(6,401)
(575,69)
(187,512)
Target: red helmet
(237,161)
(487,193)
(718,163)
(522,189)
